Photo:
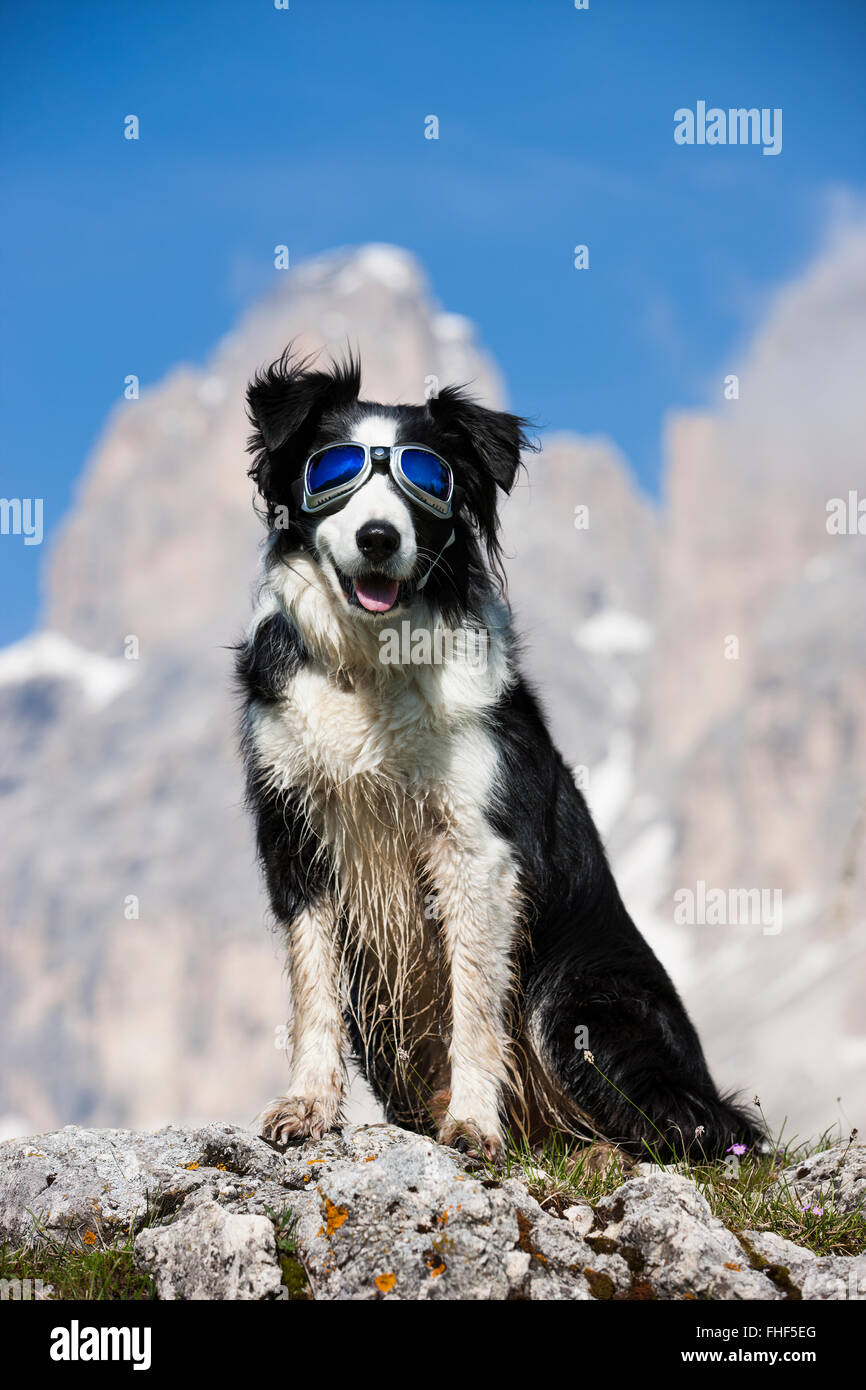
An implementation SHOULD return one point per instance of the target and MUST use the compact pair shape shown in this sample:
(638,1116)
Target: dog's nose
(378,540)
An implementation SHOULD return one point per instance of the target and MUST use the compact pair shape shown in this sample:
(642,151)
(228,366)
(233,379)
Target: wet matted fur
(450,914)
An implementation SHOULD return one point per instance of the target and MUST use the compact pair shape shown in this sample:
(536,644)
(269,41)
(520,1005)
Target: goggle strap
(297,490)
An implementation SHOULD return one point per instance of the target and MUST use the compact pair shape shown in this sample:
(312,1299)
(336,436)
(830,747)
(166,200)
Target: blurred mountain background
(703,661)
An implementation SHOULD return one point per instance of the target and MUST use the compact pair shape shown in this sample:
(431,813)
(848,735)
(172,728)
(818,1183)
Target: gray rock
(113,1181)
(800,1273)
(675,1245)
(379,1213)
(403,1220)
(834,1178)
(833,1277)
(581,1216)
(211,1253)
(779,1251)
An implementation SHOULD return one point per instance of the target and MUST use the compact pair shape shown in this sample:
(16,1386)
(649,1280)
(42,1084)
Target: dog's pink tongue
(376,595)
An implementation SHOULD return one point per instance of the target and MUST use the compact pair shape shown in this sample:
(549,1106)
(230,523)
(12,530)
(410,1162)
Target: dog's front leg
(312,1102)
(475,883)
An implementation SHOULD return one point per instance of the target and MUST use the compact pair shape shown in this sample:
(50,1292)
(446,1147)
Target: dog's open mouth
(375,593)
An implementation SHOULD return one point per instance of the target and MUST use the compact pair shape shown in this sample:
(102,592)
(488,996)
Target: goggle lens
(334,467)
(426,472)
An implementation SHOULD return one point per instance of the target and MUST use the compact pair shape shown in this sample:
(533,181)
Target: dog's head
(378,546)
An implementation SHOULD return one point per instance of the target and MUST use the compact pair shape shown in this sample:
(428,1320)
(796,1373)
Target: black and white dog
(450,913)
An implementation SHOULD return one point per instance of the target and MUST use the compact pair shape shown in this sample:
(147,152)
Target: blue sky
(306,126)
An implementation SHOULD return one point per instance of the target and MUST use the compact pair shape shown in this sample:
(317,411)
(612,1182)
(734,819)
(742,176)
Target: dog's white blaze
(395,769)
(375,500)
(375,429)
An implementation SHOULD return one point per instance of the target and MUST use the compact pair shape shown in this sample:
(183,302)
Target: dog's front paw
(299,1117)
(470,1137)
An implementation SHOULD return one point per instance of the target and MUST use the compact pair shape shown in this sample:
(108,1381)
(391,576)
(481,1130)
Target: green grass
(88,1261)
(294,1275)
(559,1174)
(750,1202)
(76,1270)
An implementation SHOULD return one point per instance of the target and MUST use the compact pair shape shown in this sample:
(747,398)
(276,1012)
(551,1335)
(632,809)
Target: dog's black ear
(492,439)
(484,445)
(285,404)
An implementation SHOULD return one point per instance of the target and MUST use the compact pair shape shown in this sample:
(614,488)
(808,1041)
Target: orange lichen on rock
(334,1217)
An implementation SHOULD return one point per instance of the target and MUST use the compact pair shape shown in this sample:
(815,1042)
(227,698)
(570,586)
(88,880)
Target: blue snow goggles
(335,471)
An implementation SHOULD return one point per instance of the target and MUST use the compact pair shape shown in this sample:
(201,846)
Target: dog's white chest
(324,733)
(380,775)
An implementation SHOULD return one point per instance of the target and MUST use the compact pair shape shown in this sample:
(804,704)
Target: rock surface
(211,1254)
(377,1212)
(837,1176)
(799,1271)
(677,1248)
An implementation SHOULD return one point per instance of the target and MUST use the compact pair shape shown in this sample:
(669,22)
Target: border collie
(449,910)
